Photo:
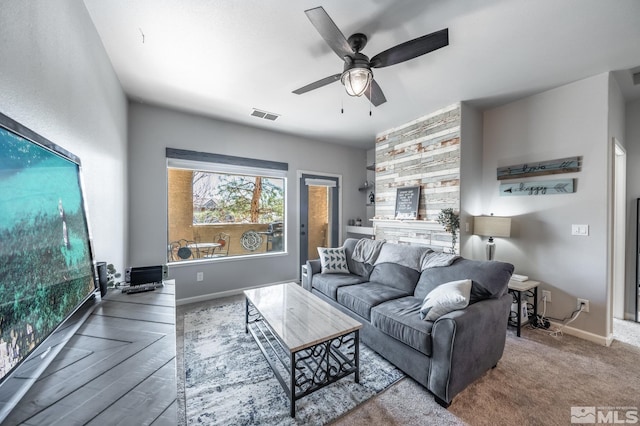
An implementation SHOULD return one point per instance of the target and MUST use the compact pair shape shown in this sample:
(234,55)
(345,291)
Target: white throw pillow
(333,260)
(445,298)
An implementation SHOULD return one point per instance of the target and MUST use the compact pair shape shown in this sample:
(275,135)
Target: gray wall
(567,121)
(632,134)
(56,79)
(152,129)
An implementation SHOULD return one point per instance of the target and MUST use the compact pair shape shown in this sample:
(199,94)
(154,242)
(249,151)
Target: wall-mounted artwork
(542,168)
(407,202)
(545,187)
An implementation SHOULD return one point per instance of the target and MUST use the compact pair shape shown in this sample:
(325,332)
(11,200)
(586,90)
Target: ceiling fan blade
(329,31)
(318,84)
(411,49)
(375,95)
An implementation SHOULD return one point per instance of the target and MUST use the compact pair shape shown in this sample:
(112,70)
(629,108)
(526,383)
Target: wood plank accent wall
(424,152)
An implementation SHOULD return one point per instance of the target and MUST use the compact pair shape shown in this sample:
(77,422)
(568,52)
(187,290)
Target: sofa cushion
(445,298)
(399,319)
(360,298)
(358,268)
(333,260)
(489,278)
(437,259)
(402,254)
(328,284)
(394,275)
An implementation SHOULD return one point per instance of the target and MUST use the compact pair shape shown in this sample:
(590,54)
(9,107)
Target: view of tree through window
(226,198)
(217,214)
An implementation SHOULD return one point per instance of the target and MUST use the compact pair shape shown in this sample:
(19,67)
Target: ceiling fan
(357,76)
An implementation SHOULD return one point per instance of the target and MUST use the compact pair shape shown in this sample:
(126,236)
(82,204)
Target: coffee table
(302,337)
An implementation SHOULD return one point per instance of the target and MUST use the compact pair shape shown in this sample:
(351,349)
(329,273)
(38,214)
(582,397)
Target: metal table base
(310,368)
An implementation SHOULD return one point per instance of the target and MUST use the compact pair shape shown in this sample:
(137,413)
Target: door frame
(619,296)
(616,243)
(317,174)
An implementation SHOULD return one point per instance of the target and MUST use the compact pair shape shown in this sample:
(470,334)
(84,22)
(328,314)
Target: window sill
(226,259)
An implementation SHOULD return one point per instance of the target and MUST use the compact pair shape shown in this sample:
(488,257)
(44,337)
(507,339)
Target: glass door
(319,219)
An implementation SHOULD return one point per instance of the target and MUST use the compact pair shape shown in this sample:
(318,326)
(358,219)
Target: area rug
(229,382)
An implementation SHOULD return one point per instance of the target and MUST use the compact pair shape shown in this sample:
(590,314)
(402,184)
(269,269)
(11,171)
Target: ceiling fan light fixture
(357,76)
(356,80)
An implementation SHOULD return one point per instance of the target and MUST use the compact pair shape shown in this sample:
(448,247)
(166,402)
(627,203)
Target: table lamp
(491,226)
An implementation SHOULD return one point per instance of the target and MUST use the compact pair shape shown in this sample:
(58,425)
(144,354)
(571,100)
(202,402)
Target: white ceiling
(222,58)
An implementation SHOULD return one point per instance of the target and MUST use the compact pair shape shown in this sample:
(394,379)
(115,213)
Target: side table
(529,287)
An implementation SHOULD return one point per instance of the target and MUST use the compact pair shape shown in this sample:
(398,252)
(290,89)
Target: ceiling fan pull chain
(369,100)
(342,106)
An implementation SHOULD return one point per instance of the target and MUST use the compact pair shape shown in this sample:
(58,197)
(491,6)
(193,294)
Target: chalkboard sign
(407,202)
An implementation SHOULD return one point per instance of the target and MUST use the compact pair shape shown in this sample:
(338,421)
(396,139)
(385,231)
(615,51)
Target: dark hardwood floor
(119,368)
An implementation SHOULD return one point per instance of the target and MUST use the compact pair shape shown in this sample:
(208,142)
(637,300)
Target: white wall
(571,120)
(152,129)
(470,178)
(632,134)
(56,79)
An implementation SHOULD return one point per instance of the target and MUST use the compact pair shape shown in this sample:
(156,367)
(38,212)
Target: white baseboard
(595,338)
(221,294)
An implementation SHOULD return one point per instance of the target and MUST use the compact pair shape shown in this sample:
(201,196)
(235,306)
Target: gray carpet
(538,380)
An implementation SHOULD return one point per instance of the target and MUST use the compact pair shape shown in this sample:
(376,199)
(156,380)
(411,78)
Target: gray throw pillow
(333,260)
(445,298)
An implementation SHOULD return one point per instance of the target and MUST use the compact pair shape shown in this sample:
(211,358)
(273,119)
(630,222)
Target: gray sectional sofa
(386,293)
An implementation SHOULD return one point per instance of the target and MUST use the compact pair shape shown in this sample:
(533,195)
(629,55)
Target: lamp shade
(492,226)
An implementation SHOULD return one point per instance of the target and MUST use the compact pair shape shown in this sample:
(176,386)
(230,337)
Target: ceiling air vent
(264,114)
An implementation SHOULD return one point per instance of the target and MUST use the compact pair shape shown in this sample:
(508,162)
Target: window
(219,210)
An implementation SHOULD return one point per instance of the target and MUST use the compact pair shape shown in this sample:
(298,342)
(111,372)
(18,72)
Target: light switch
(581,230)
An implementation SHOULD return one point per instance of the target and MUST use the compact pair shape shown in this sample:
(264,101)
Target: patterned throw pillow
(333,260)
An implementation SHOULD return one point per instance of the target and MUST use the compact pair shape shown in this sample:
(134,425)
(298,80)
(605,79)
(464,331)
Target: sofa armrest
(467,343)
(313,267)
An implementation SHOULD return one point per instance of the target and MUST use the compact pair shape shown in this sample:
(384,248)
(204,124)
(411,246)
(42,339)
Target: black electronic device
(47,274)
(143,278)
(144,275)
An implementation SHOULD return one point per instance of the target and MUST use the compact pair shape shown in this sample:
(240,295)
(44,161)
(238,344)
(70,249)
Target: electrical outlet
(200,276)
(546,294)
(582,230)
(584,302)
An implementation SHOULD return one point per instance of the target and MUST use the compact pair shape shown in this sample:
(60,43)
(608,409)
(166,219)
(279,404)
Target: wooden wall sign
(545,187)
(407,202)
(551,167)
